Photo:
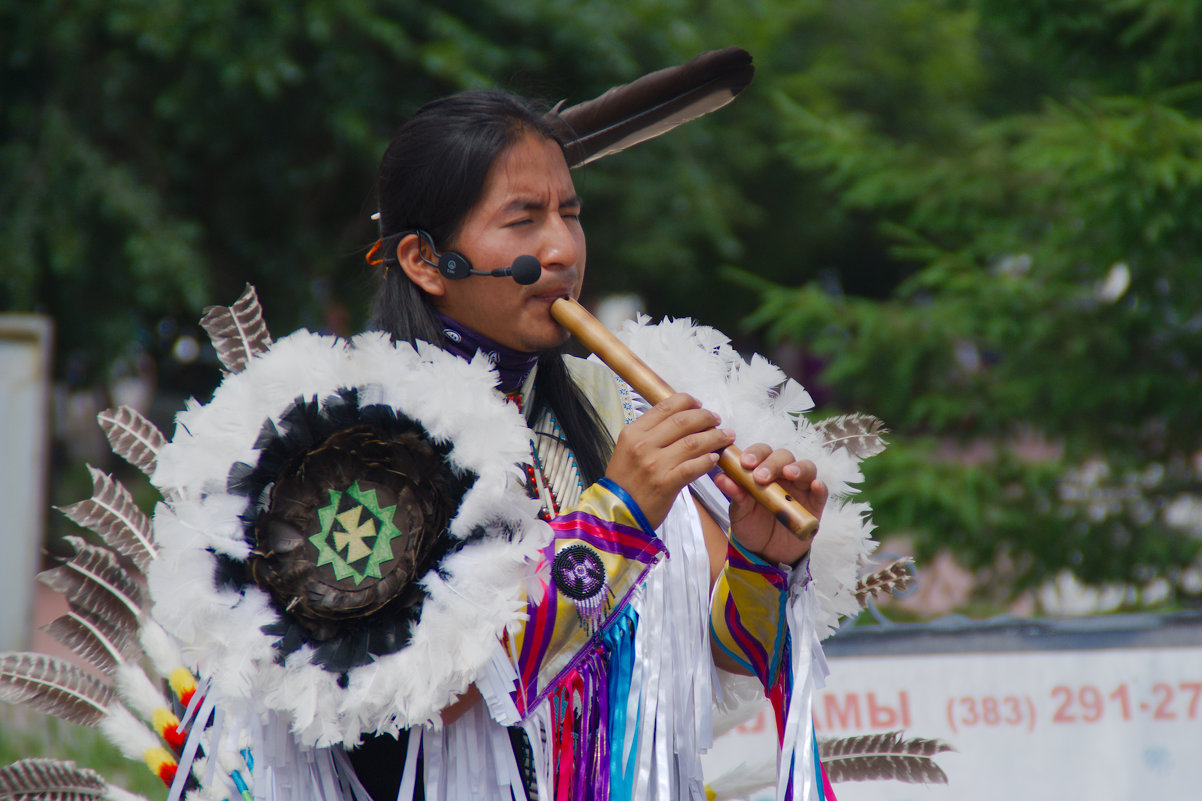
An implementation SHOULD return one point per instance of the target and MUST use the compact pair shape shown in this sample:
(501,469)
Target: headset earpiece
(450,264)
(454,265)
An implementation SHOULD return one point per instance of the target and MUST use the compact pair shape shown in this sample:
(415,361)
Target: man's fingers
(754,454)
(698,443)
(781,464)
(693,469)
(669,406)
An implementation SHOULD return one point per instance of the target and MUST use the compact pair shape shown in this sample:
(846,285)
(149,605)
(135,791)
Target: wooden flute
(623,361)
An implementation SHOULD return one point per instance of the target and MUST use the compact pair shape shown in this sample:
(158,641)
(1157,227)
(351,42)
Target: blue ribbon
(819,785)
(619,642)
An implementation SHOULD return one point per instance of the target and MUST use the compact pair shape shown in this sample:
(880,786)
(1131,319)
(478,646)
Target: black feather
(655,104)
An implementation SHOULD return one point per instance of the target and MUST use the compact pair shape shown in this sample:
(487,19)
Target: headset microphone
(525,270)
(453,265)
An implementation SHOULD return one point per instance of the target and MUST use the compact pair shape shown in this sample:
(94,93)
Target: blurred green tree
(158,156)
(980,216)
(1031,176)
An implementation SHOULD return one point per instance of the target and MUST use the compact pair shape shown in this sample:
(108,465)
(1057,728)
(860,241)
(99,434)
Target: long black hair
(431,176)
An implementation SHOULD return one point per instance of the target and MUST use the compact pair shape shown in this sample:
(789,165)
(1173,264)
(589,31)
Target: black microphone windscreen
(526,269)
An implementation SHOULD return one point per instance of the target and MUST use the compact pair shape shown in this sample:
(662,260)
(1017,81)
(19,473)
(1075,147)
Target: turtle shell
(350,526)
(348,508)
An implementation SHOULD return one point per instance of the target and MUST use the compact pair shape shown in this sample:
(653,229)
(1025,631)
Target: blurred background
(979,221)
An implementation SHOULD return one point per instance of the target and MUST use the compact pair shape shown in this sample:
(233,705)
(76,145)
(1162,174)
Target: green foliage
(1046,239)
(982,216)
(25,733)
(158,156)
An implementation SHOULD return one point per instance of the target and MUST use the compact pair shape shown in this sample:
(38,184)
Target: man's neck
(513,366)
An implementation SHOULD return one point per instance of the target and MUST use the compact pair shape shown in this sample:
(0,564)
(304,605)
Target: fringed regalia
(355,533)
(347,543)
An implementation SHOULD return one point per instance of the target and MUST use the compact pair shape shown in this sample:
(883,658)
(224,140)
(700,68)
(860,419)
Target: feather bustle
(99,628)
(86,641)
(50,780)
(886,755)
(238,332)
(132,437)
(97,567)
(113,515)
(654,104)
(54,686)
(862,435)
(893,577)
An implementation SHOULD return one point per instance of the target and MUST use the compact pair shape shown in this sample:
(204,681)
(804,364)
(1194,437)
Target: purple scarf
(511,365)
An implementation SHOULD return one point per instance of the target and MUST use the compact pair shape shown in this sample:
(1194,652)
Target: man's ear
(421,272)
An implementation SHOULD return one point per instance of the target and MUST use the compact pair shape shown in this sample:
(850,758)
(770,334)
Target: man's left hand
(753,526)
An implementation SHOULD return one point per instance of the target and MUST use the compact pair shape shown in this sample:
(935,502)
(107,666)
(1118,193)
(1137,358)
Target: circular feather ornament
(348,506)
(346,537)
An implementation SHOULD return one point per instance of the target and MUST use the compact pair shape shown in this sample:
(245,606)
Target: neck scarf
(512,365)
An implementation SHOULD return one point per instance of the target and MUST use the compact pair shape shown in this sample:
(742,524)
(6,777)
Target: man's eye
(516,223)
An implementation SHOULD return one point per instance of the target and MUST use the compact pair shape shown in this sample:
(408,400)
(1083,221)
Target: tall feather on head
(654,104)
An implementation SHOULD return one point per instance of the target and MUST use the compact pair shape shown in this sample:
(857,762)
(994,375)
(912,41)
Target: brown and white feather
(893,577)
(94,565)
(87,641)
(132,437)
(41,779)
(114,516)
(862,435)
(238,332)
(54,686)
(886,755)
(98,628)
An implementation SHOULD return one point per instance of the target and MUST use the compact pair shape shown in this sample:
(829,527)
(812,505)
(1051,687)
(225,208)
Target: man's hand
(753,526)
(658,454)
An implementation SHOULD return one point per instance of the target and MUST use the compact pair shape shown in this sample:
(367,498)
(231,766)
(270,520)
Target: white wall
(25,342)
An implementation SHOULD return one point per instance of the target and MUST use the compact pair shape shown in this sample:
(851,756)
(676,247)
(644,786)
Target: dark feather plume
(54,686)
(893,577)
(113,515)
(655,104)
(871,757)
(50,780)
(238,332)
(132,437)
(861,434)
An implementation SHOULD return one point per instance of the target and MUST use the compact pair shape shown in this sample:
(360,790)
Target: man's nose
(559,246)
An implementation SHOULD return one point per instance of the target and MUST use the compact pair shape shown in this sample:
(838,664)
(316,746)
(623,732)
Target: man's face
(529,207)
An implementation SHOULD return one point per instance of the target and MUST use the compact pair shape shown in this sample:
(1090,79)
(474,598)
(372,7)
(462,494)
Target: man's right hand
(658,454)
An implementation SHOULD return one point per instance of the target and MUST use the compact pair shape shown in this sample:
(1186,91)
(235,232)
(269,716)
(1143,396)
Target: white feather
(131,737)
(139,693)
(754,398)
(159,647)
(220,632)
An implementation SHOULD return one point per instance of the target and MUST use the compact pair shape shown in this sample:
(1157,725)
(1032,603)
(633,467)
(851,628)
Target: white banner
(1103,725)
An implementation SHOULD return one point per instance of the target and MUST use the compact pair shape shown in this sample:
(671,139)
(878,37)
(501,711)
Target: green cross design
(344,536)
